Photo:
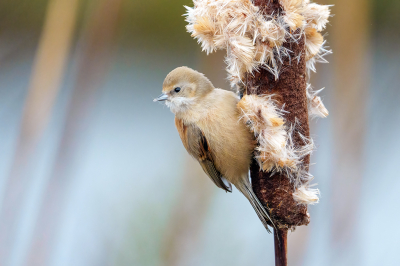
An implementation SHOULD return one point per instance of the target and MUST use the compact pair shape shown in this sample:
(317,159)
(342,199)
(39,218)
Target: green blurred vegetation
(155,23)
(149,17)
(142,23)
(385,13)
(22,14)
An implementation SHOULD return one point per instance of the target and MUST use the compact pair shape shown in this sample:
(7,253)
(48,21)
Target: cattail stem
(280,242)
(270,45)
(275,190)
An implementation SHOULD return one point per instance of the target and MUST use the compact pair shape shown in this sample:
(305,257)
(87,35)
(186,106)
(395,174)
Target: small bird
(209,125)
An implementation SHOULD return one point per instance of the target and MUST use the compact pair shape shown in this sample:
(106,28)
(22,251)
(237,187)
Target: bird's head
(183,87)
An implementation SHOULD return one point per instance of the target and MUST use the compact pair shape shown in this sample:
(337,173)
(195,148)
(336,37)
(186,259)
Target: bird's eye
(177,89)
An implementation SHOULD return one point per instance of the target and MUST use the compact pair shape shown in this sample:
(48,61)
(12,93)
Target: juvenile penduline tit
(210,128)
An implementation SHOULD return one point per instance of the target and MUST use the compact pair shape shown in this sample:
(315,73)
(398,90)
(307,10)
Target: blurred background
(92,172)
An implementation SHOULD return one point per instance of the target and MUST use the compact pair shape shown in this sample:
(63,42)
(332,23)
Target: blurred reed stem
(95,52)
(47,74)
(183,232)
(350,38)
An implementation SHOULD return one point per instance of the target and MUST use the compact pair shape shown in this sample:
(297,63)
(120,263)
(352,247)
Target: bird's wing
(196,144)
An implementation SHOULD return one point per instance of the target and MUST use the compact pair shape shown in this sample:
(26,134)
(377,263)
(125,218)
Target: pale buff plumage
(210,128)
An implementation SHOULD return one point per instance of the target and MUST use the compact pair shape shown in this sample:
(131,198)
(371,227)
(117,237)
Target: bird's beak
(161,98)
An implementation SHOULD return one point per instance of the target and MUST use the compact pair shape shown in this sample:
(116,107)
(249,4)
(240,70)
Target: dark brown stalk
(275,190)
(280,241)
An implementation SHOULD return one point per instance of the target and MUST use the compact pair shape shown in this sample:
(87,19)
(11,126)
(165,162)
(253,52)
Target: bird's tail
(248,192)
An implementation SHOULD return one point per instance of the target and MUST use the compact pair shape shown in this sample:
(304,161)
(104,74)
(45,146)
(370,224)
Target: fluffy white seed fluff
(265,120)
(276,148)
(316,16)
(276,151)
(242,49)
(253,40)
(316,108)
(314,42)
(306,195)
(293,13)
